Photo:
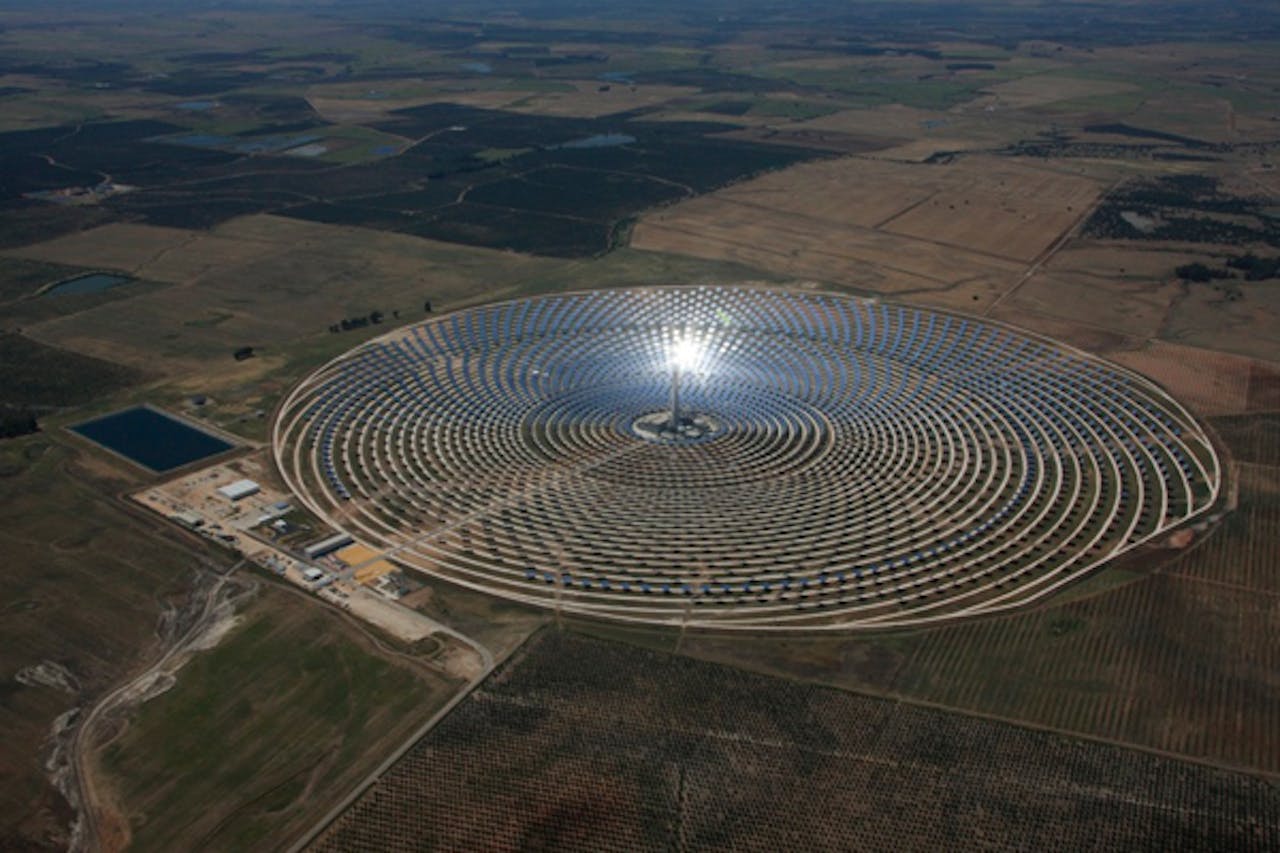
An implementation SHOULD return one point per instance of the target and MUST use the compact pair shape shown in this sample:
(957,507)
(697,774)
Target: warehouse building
(239,490)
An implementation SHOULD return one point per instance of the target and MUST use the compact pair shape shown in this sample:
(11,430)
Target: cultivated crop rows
(578,744)
(1168,662)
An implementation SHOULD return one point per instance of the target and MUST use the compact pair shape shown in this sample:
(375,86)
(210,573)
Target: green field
(291,673)
(85,583)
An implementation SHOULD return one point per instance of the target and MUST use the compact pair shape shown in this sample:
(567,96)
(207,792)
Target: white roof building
(326,546)
(239,489)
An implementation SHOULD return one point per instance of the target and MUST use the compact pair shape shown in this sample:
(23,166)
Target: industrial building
(239,490)
(326,546)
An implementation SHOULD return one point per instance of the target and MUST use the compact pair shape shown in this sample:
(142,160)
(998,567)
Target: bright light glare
(685,353)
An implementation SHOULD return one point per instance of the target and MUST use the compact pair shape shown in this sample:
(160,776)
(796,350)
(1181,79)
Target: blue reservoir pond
(152,438)
(94,282)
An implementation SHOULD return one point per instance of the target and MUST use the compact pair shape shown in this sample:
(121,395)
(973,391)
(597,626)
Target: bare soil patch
(1210,383)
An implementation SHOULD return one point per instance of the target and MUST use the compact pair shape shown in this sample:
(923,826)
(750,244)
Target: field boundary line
(1047,255)
(1203,761)
(409,743)
(884,222)
(378,772)
(1253,590)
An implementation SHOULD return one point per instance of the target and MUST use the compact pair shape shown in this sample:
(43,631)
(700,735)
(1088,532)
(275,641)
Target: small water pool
(152,438)
(93,282)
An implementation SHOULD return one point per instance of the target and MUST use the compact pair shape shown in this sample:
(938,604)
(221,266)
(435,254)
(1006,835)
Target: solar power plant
(832,462)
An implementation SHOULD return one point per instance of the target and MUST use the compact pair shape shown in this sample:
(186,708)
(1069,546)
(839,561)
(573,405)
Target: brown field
(1218,94)
(1039,89)
(1128,290)
(957,234)
(580,744)
(1090,338)
(155,253)
(362,102)
(836,143)
(935,129)
(1126,306)
(1265,179)
(1253,439)
(969,295)
(1264,387)
(1198,115)
(346,102)
(55,102)
(845,191)
(993,206)
(894,120)
(118,246)
(787,244)
(1146,262)
(282,278)
(1246,326)
(1209,383)
(919,150)
(1237,555)
(353,110)
(692,106)
(589,99)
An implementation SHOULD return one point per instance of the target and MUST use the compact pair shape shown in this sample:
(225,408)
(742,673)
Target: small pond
(152,438)
(94,282)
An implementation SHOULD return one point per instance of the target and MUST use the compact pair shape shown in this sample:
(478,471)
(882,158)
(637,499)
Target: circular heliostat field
(835,461)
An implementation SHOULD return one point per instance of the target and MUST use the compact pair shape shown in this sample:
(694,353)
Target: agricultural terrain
(608,747)
(182,184)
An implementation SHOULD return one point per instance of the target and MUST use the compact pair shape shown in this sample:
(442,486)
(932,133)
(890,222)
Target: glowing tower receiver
(686,352)
(684,356)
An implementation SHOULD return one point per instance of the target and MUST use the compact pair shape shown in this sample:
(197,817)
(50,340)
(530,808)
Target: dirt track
(200,624)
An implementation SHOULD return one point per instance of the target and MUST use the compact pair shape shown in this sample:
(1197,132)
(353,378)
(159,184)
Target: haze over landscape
(612,426)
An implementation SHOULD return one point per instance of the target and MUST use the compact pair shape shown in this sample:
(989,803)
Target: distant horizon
(1052,20)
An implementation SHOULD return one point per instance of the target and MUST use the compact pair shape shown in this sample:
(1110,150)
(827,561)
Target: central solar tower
(741,458)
